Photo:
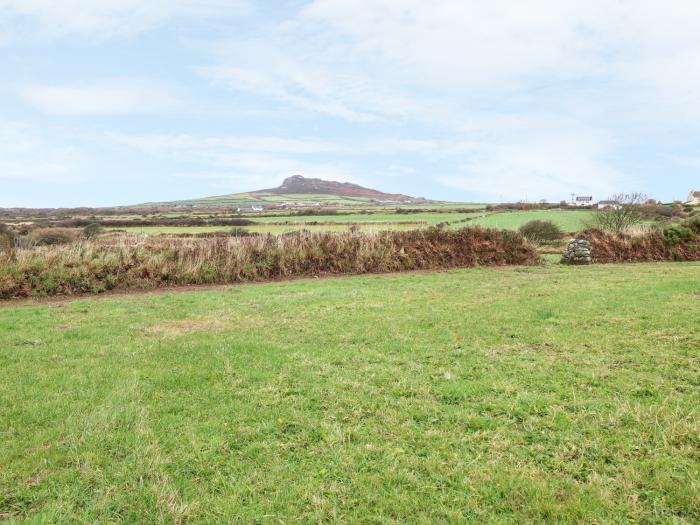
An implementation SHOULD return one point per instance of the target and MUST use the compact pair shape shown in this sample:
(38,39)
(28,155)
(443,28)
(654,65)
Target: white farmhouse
(584,201)
(607,204)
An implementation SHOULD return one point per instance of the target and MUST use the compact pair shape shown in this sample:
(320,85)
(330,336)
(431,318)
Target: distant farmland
(569,221)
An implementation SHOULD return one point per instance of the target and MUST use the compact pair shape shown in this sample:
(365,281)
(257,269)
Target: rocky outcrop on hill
(298,184)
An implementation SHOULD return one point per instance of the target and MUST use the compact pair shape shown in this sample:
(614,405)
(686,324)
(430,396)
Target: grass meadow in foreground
(512,395)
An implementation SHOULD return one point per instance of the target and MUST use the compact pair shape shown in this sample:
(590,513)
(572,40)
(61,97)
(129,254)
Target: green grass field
(271,228)
(514,395)
(567,220)
(430,218)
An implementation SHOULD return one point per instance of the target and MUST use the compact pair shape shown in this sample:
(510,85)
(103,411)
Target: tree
(623,213)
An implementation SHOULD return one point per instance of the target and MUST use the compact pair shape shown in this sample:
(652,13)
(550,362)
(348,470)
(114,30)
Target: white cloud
(107,18)
(218,149)
(540,157)
(437,61)
(533,171)
(264,71)
(27,154)
(488,74)
(485,78)
(241,163)
(108,97)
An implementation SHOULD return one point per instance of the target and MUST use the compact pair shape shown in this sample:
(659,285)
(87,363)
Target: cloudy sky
(108,102)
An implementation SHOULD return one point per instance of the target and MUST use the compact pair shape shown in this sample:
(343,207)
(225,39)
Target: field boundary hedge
(97,266)
(657,245)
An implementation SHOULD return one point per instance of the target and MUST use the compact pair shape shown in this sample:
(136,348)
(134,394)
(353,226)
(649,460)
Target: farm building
(250,208)
(584,201)
(607,204)
(694,197)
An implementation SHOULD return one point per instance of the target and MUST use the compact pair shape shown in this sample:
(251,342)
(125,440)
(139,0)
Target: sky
(109,102)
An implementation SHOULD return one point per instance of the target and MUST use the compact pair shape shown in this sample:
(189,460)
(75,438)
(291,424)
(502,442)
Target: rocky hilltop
(297,184)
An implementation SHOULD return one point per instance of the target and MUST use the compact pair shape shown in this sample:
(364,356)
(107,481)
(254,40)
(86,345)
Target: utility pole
(572,198)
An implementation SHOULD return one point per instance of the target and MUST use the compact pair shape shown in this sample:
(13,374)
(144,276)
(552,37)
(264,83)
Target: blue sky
(106,102)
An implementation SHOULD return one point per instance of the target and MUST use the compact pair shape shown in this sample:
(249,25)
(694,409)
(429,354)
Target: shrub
(677,234)
(541,232)
(315,211)
(694,224)
(92,230)
(51,236)
(7,238)
(237,231)
(665,212)
(6,242)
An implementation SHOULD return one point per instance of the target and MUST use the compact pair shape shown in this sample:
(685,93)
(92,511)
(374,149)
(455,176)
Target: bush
(51,236)
(6,243)
(541,232)
(236,231)
(92,230)
(7,238)
(677,234)
(694,224)
(666,212)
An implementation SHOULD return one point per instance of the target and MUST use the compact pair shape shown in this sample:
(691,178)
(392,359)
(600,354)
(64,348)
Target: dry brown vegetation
(656,245)
(96,266)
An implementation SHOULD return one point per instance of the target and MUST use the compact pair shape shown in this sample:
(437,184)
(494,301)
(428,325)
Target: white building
(584,201)
(607,204)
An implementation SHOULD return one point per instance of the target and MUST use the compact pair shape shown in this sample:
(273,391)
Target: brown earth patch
(179,327)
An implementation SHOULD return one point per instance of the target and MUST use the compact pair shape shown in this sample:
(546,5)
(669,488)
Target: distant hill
(296,184)
(298,190)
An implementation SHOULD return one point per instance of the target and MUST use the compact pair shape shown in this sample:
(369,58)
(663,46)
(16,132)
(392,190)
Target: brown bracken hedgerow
(657,245)
(95,266)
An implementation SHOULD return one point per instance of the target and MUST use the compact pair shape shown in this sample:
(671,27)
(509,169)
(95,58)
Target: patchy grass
(518,395)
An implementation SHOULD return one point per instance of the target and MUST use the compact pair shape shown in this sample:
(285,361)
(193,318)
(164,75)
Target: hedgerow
(95,266)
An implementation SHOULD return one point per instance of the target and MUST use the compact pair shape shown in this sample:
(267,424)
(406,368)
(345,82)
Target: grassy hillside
(521,395)
(247,199)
